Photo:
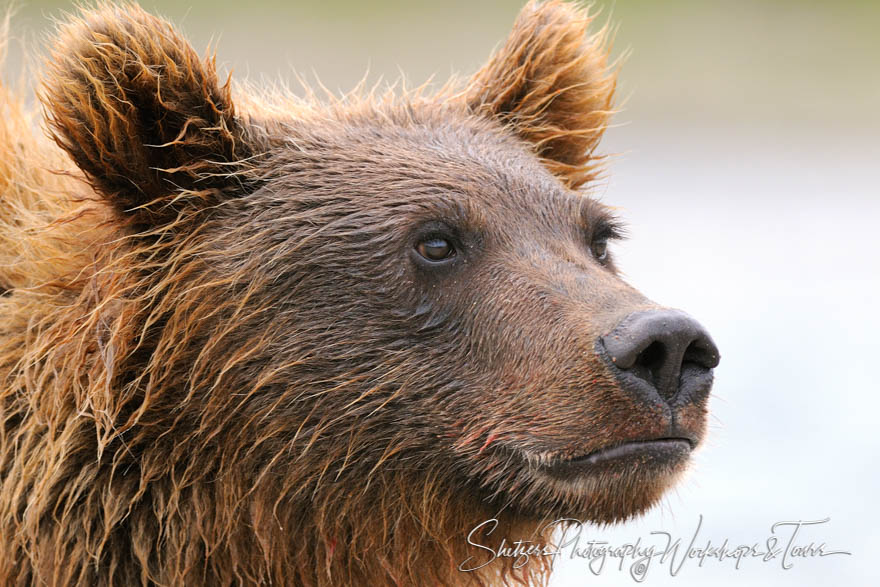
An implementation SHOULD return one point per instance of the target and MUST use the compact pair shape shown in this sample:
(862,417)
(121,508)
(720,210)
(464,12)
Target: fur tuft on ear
(551,83)
(141,113)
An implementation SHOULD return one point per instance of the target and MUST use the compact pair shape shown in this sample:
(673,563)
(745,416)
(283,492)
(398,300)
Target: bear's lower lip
(651,453)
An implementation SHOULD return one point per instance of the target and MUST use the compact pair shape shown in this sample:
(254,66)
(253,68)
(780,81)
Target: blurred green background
(746,61)
(747,172)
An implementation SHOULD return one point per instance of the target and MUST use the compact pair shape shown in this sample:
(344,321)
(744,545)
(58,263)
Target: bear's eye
(599,247)
(435,249)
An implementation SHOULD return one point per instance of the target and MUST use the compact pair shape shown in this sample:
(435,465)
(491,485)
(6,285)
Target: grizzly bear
(248,338)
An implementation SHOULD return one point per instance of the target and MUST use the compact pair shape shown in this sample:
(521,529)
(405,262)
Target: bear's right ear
(142,114)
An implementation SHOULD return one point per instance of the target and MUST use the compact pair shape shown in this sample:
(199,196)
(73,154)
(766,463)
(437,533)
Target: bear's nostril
(662,348)
(701,354)
(650,362)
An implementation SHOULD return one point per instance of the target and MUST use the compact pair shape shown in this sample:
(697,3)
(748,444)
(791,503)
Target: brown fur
(218,366)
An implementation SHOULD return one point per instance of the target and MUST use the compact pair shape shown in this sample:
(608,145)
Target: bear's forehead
(407,154)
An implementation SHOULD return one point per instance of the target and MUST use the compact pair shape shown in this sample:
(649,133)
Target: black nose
(661,347)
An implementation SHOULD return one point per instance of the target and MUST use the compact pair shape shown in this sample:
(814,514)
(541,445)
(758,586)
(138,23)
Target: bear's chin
(606,492)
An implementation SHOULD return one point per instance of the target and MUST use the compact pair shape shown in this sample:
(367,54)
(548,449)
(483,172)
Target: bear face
(371,322)
(459,346)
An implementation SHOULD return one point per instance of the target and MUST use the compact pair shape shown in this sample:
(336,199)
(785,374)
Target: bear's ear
(142,114)
(551,83)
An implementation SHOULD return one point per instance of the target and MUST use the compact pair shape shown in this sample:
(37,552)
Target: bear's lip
(655,452)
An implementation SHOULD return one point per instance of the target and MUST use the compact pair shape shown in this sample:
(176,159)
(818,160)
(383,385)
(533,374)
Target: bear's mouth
(653,453)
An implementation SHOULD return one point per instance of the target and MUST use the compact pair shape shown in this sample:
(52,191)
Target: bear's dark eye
(435,249)
(598,233)
(599,247)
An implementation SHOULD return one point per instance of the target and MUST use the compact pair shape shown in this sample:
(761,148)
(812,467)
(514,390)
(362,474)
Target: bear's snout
(663,353)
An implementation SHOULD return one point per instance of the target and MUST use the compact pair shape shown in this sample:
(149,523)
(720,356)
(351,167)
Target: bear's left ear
(142,114)
(552,85)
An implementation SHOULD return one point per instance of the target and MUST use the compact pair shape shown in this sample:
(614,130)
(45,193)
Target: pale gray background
(747,170)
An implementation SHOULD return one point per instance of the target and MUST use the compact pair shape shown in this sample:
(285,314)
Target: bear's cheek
(561,410)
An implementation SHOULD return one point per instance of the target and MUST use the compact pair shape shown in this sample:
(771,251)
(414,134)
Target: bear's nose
(661,347)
